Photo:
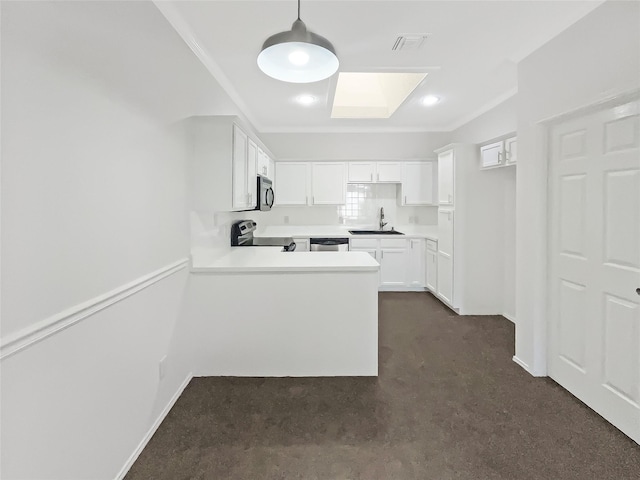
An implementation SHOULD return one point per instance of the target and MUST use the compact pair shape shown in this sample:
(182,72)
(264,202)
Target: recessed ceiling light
(305,99)
(430,100)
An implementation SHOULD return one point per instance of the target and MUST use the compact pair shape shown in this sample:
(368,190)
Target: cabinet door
(271,172)
(432,270)
(445,278)
(416,263)
(445,282)
(291,183)
(240,192)
(328,183)
(511,151)
(361,172)
(446,174)
(492,155)
(263,163)
(393,266)
(417,183)
(390,172)
(252,174)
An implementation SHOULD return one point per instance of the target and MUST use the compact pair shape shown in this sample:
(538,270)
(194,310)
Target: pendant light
(298,55)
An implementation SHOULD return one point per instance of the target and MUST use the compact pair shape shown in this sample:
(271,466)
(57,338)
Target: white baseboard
(143,443)
(522,364)
(511,318)
(401,288)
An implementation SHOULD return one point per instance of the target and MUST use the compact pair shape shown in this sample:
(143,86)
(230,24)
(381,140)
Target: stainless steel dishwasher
(328,244)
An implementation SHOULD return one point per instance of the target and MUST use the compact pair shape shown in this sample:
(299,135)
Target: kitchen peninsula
(285,314)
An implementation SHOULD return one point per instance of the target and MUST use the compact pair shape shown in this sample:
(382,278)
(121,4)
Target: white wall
(496,123)
(354,146)
(595,58)
(93,197)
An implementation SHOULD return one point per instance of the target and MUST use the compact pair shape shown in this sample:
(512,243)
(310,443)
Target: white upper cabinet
(291,184)
(328,183)
(361,172)
(492,155)
(418,183)
(511,151)
(446,178)
(389,172)
(240,171)
(374,172)
(263,163)
(223,164)
(252,175)
(499,154)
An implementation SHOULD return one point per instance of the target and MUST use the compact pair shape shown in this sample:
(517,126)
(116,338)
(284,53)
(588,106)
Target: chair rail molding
(17,341)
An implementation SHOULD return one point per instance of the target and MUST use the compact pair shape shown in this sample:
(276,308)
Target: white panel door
(446,176)
(291,183)
(594,262)
(239,171)
(417,183)
(329,183)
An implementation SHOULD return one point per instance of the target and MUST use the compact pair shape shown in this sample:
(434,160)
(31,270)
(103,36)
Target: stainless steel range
(242,236)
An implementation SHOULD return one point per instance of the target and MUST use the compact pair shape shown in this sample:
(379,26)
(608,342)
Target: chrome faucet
(382,222)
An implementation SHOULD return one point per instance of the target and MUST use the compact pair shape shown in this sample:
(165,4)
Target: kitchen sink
(375,232)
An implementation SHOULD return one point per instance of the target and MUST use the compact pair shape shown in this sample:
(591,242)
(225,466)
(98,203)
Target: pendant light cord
(298,9)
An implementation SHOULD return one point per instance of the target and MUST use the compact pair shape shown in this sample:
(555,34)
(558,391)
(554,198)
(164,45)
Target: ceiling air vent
(409,41)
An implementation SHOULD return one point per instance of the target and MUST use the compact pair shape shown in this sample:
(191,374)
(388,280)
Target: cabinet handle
(499,157)
(313,200)
(375,255)
(371,177)
(405,199)
(381,254)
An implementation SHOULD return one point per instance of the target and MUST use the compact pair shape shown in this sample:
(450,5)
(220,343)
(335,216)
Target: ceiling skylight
(372,95)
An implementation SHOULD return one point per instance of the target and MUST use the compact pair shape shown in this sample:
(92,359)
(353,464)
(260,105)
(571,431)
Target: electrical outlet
(162,367)
(286,219)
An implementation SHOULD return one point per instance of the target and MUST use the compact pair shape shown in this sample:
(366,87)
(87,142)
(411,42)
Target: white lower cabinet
(445,255)
(431,267)
(393,267)
(402,261)
(416,263)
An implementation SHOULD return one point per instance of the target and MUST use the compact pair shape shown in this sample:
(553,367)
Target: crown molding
(482,110)
(182,27)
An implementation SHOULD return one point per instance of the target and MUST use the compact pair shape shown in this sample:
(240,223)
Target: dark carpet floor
(449,404)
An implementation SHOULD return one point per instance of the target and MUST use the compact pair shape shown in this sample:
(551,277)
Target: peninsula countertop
(274,260)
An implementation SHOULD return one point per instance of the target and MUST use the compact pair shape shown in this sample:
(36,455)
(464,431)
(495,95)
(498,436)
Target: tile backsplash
(362,208)
(210,231)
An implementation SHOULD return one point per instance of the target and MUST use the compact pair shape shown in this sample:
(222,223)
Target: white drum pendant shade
(298,56)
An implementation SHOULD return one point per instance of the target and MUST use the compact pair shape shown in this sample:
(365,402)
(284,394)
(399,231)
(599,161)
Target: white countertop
(273,259)
(329,231)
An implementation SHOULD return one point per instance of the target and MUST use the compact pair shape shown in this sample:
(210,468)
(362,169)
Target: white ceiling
(471,54)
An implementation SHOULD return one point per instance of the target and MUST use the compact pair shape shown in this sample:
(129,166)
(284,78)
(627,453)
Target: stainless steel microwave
(266,195)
